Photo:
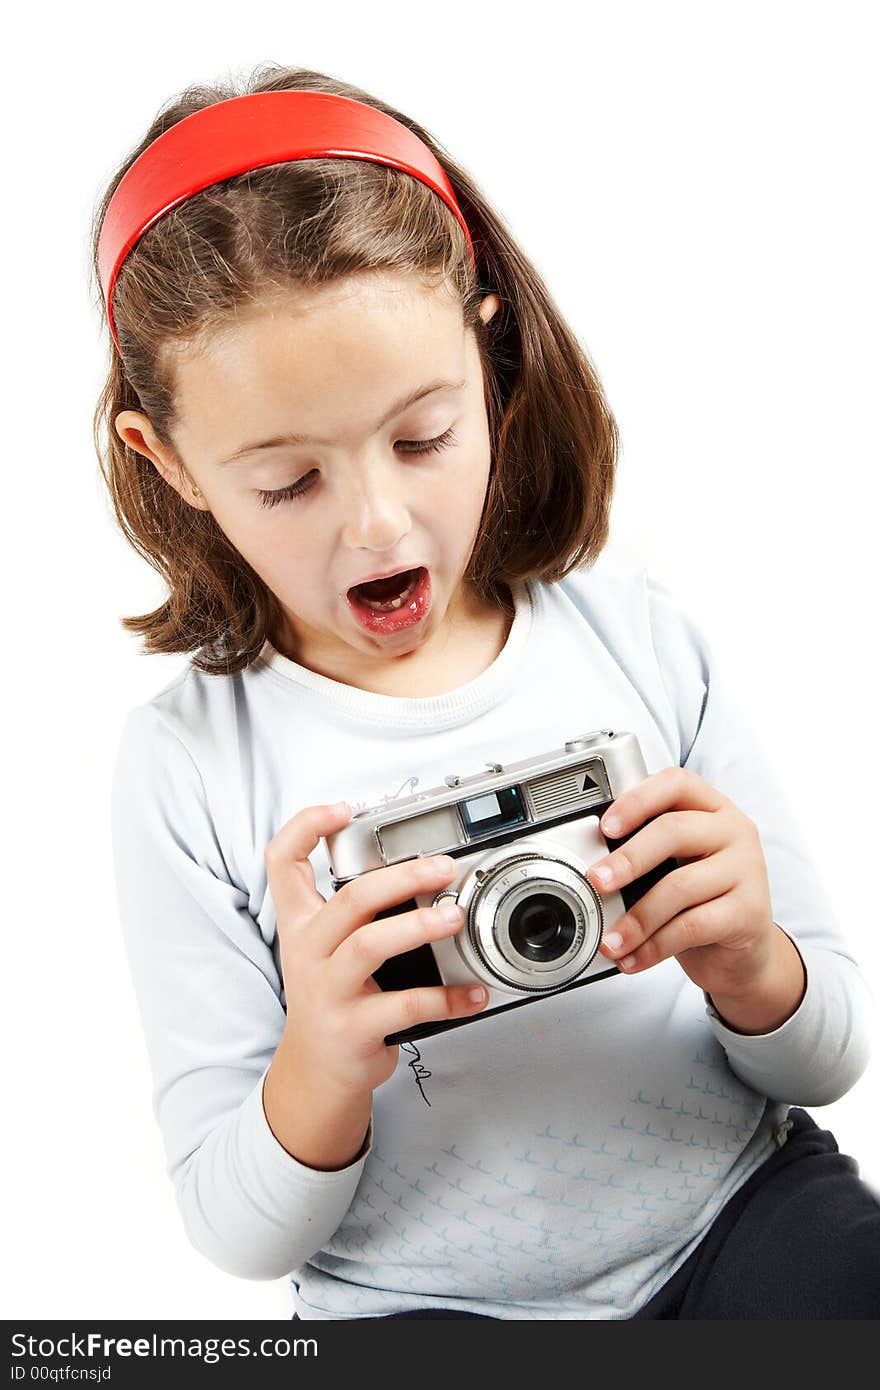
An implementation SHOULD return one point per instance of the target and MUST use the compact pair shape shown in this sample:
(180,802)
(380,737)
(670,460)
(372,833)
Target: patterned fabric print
(566,1223)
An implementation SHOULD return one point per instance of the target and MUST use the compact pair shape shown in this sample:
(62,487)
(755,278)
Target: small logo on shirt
(419,1072)
(406,788)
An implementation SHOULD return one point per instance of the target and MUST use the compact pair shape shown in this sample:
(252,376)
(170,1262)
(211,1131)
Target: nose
(375,508)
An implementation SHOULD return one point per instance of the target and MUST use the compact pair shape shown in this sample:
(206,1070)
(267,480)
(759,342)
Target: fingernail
(437,863)
(604,873)
(339,808)
(627,962)
(610,825)
(613,941)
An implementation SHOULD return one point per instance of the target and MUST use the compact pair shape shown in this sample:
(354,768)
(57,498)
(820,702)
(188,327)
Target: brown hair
(553,438)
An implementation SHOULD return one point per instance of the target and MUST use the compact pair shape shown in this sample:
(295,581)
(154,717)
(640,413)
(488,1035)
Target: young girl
(336,380)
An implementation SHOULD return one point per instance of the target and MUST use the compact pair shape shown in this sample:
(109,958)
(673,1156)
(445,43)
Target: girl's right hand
(337,1016)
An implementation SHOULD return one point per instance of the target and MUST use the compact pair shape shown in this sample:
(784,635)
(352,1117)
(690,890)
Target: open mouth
(387,595)
(386,607)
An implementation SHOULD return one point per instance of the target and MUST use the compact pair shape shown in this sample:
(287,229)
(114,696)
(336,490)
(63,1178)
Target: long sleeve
(210,1000)
(819,1053)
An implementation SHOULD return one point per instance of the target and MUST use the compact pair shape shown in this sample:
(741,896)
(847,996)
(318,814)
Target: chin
(401,643)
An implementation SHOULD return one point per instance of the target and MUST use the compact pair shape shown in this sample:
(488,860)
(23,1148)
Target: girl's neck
(469,647)
(472,636)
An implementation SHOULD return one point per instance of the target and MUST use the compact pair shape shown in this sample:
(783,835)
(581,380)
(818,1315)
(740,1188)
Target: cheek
(261,536)
(237,523)
(474,488)
(464,487)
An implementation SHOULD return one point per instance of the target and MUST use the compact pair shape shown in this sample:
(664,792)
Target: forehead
(325,362)
(319,334)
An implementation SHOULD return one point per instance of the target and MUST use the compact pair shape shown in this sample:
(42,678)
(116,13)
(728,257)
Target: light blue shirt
(555,1161)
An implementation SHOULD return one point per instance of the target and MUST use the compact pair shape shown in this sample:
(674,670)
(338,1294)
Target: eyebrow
(396,409)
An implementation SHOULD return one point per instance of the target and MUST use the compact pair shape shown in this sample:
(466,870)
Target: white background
(698,185)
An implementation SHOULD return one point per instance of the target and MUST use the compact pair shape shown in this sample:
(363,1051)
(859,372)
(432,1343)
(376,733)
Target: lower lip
(408,615)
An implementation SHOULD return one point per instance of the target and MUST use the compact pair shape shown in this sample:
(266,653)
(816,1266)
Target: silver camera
(524,836)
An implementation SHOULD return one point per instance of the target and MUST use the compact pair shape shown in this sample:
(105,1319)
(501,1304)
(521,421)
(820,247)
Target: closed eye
(272,497)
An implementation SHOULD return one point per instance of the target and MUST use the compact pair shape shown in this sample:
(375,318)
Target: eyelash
(293,490)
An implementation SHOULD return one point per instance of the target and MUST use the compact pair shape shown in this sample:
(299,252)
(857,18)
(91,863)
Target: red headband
(249,132)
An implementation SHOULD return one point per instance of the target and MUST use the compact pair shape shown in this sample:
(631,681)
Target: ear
(489,307)
(136,431)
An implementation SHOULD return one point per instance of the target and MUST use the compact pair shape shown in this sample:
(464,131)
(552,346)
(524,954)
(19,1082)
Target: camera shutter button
(586,740)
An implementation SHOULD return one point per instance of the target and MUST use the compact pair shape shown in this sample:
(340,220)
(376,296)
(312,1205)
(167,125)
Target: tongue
(382,589)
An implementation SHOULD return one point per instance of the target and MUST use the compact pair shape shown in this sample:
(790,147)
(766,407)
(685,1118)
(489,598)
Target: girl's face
(378,485)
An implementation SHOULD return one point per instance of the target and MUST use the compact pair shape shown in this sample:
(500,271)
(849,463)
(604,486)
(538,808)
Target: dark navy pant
(800,1239)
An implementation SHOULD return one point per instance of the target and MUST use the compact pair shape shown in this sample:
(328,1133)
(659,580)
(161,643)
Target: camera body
(523,837)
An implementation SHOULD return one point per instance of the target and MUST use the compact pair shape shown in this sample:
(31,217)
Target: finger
(677,787)
(399,1009)
(679,834)
(358,902)
(362,953)
(703,925)
(680,889)
(291,877)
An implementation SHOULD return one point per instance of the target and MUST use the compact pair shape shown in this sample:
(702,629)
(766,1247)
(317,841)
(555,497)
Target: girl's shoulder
(632,601)
(192,717)
(607,574)
(616,597)
(653,634)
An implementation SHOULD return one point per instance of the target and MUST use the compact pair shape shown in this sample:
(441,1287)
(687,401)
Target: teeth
(389,607)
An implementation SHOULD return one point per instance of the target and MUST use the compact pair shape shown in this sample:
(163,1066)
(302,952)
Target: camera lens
(542,927)
(533,921)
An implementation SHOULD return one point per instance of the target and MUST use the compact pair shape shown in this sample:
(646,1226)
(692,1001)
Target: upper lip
(383,574)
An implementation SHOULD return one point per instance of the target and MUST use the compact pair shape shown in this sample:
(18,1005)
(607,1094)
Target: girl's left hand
(713,913)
